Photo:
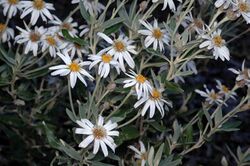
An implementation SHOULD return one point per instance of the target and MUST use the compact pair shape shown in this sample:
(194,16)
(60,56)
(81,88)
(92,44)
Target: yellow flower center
(51,41)
(244,7)
(140,78)
(13,2)
(218,41)
(66,26)
(225,89)
(157,33)
(74,67)
(156,94)
(38,4)
(106,58)
(119,46)
(2,27)
(99,132)
(213,95)
(34,37)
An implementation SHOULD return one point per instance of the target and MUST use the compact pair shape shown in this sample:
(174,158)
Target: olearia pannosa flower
(100,133)
(72,68)
(68,25)
(169,3)
(242,7)
(141,154)
(210,96)
(93,7)
(217,43)
(10,7)
(120,48)
(224,3)
(32,38)
(155,35)
(139,82)
(224,91)
(105,62)
(37,8)
(152,102)
(6,33)
(243,75)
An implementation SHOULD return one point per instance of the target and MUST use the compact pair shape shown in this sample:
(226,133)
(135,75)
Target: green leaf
(119,115)
(122,12)
(177,131)
(173,88)
(127,133)
(208,117)
(218,116)
(53,141)
(84,12)
(158,155)
(70,151)
(4,81)
(157,126)
(230,126)
(82,109)
(7,57)
(75,40)
(36,73)
(61,145)
(132,10)
(109,23)
(113,29)
(168,161)
(71,115)
(151,156)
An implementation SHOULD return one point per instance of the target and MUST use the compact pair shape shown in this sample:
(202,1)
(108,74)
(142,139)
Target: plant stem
(117,108)
(70,98)
(99,101)
(93,95)
(130,121)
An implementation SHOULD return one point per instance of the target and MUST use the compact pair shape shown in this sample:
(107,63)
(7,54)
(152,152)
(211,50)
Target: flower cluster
(145,57)
(219,97)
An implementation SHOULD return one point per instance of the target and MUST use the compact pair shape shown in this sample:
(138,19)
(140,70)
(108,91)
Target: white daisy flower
(84,29)
(141,154)
(93,7)
(6,33)
(100,133)
(155,35)
(10,7)
(32,38)
(243,9)
(105,61)
(67,24)
(72,68)
(210,95)
(243,77)
(140,82)
(224,3)
(152,102)
(37,8)
(120,48)
(53,43)
(169,3)
(224,91)
(217,43)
